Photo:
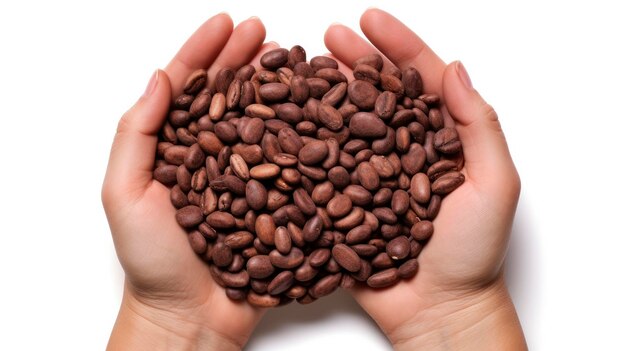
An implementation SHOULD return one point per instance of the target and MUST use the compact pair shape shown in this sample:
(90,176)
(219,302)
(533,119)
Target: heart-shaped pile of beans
(292,181)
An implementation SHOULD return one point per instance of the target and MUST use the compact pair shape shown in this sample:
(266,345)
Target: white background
(555,72)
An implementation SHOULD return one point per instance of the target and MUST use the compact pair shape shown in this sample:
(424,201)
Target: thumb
(132,154)
(488,163)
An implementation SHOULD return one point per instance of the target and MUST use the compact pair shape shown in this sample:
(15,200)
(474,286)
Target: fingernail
(256,18)
(463,76)
(152,84)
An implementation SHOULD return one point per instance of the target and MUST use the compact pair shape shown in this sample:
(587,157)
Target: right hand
(462,263)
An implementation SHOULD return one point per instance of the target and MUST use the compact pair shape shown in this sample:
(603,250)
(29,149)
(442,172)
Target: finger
(243,45)
(487,160)
(348,46)
(403,47)
(256,60)
(343,67)
(132,155)
(200,50)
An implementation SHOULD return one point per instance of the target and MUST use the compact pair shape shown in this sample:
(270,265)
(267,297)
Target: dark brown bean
(313,152)
(189,216)
(383,278)
(256,194)
(259,267)
(280,283)
(408,269)
(422,230)
(196,81)
(367,125)
(398,248)
(282,240)
(447,183)
(346,257)
(265,228)
(447,141)
(289,261)
(274,59)
(325,286)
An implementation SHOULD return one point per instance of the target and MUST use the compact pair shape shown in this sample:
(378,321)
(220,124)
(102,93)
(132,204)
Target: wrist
(479,320)
(143,327)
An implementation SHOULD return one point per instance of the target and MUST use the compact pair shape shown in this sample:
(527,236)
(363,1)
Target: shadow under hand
(523,269)
(298,326)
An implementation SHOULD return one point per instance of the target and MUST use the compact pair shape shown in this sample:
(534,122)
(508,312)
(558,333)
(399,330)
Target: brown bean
(367,125)
(367,175)
(422,230)
(383,278)
(408,269)
(256,194)
(339,206)
(325,286)
(398,248)
(264,171)
(282,240)
(346,257)
(274,59)
(263,301)
(265,228)
(289,261)
(221,220)
(420,188)
(330,117)
(259,267)
(447,183)
(313,152)
(280,283)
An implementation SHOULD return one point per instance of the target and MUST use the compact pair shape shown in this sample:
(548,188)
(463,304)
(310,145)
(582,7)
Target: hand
(458,297)
(170,299)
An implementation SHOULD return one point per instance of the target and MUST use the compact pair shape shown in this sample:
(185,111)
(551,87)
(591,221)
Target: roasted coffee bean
(322,193)
(420,188)
(274,92)
(339,206)
(412,82)
(367,125)
(447,141)
(312,228)
(265,228)
(422,230)
(282,240)
(280,283)
(256,194)
(346,257)
(236,280)
(274,59)
(262,300)
(259,267)
(319,257)
(335,94)
(189,216)
(196,81)
(366,73)
(222,255)
(325,286)
(198,242)
(363,94)
(367,176)
(399,202)
(383,278)
(313,152)
(166,174)
(178,197)
(447,182)
(354,218)
(296,55)
(398,248)
(264,171)
(408,269)
(293,259)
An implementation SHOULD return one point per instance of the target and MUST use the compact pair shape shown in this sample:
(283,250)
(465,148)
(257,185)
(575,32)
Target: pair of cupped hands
(457,300)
